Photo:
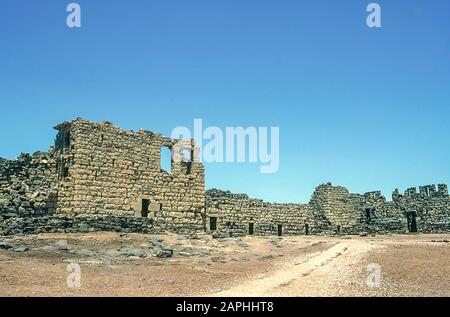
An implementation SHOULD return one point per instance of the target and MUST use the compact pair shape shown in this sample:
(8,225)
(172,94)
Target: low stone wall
(79,223)
(237,215)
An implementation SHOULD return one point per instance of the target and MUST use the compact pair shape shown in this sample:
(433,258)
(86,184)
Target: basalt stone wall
(377,215)
(28,185)
(336,208)
(237,214)
(103,169)
(332,210)
(78,223)
(427,209)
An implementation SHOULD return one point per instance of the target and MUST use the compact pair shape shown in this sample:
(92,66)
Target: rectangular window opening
(166,159)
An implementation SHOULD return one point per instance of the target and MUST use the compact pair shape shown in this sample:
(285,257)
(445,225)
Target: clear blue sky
(365,108)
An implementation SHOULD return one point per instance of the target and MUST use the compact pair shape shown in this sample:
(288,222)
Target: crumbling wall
(336,207)
(377,215)
(106,170)
(28,185)
(430,208)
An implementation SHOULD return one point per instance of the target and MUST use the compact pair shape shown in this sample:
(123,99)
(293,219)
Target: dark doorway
(412,221)
(368,215)
(213,223)
(250,229)
(280,230)
(145,205)
(307,229)
(338,229)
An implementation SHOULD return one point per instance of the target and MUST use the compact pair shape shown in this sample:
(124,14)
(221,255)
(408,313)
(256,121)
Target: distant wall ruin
(332,210)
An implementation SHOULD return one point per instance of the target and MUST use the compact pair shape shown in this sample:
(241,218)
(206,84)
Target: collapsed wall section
(335,208)
(426,210)
(377,215)
(28,185)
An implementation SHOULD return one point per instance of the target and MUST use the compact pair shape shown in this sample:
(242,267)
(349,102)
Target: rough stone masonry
(98,177)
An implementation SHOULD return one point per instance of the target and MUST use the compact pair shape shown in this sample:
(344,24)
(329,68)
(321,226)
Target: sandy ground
(410,265)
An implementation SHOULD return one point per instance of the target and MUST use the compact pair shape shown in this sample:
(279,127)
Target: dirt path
(295,275)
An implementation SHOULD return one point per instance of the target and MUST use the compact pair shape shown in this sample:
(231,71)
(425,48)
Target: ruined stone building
(99,177)
(104,170)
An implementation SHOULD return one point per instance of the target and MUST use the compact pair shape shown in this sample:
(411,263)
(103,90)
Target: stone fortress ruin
(98,177)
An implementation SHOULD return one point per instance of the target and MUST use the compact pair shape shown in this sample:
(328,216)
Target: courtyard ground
(115,264)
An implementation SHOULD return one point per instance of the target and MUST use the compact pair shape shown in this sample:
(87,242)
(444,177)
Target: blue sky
(365,108)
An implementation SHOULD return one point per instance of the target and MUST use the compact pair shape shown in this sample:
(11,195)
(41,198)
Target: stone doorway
(251,228)
(280,230)
(412,221)
(213,223)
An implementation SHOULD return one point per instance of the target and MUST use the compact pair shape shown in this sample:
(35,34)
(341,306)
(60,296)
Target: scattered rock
(163,251)
(219,259)
(62,245)
(243,259)
(6,245)
(265,257)
(133,252)
(21,249)
(85,253)
(164,254)
(192,252)
(47,248)
(113,253)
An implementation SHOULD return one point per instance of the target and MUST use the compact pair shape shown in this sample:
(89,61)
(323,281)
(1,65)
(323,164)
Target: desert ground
(114,264)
